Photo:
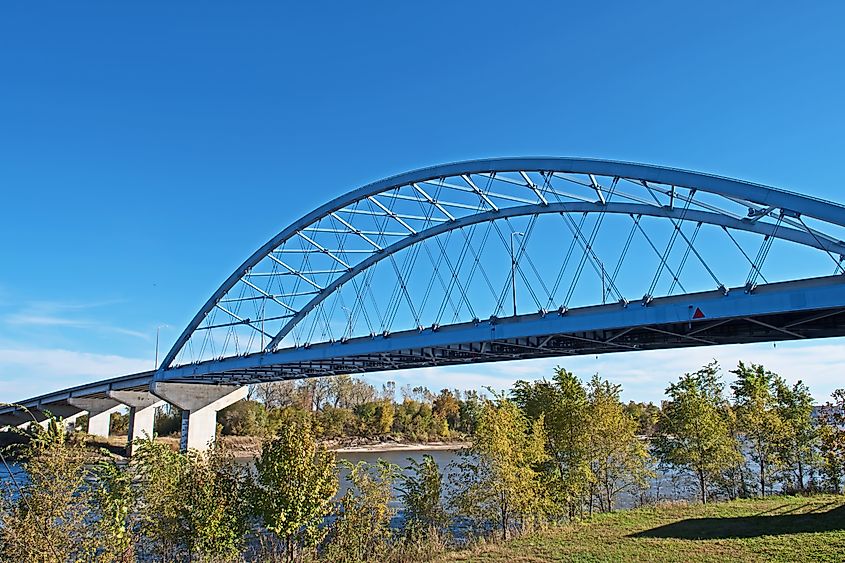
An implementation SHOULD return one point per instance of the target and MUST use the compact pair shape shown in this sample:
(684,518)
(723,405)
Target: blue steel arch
(771,213)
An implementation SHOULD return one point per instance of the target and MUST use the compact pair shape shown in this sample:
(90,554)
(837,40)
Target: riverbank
(780,528)
(245,447)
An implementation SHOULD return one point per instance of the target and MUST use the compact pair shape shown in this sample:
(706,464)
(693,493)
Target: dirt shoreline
(244,447)
(402,447)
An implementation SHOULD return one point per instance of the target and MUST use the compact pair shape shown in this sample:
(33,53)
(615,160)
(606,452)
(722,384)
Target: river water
(665,486)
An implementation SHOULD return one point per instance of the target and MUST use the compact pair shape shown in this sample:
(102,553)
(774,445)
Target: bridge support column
(99,413)
(21,420)
(199,404)
(142,412)
(68,414)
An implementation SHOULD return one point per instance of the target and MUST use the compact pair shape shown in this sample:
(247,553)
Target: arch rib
(727,187)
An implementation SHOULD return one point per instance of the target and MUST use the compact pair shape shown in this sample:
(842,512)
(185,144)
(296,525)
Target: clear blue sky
(147,149)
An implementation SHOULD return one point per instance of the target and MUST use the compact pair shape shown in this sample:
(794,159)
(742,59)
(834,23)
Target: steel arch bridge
(514,258)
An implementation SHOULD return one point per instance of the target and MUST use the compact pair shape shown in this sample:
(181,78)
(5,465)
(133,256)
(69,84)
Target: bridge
(492,260)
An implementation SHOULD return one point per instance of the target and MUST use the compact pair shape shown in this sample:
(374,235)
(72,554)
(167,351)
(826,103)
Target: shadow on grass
(751,526)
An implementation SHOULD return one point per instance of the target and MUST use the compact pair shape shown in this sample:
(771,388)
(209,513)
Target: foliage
(562,403)
(117,508)
(696,436)
(295,484)
(191,504)
(831,431)
(244,418)
(118,423)
(168,421)
(498,482)
(214,515)
(46,520)
(361,528)
(647,416)
(421,496)
(759,419)
(798,444)
(618,460)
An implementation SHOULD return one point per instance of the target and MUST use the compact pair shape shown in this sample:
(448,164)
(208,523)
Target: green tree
(215,507)
(118,511)
(562,403)
(695,435)
(296,481)
(244,418)
(831,431)
(647,416)
(618,460)
(447,407)
(498,481)
(798,443)
(755,401)
(192,505)
(470,411)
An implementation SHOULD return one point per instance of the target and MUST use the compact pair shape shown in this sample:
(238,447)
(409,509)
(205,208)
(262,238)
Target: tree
(214,505)
(420,493)
(497,481)
(295,484)
(562,403)
(470,408)
(759,419)
(647,416)
(361,529)
(831,430)
(798,442)
(447,407)
(695,435)
(279,394)
(244,418)
(619,462)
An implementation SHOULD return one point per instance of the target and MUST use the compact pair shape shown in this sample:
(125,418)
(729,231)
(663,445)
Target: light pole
(158,328)
(513,269)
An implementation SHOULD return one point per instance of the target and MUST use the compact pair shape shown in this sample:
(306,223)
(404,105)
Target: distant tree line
(346,407)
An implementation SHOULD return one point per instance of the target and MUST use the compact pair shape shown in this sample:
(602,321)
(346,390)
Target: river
(665,486)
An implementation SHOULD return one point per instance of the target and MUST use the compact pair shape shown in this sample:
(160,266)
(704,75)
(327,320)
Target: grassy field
(772,529)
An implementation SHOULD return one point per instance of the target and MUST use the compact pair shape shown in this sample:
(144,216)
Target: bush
(361,530)
(421,492)
(192,504)
(294,487)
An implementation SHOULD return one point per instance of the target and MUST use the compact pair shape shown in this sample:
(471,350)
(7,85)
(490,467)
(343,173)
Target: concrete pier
(142,410)
(199,404)
(99,413)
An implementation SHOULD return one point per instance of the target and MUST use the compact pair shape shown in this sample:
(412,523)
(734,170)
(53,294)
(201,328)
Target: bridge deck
(810,308)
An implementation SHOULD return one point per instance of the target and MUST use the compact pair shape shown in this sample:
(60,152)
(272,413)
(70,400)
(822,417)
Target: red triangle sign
(698,314)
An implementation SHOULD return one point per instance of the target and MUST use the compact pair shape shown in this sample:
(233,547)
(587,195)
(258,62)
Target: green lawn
(773,529)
